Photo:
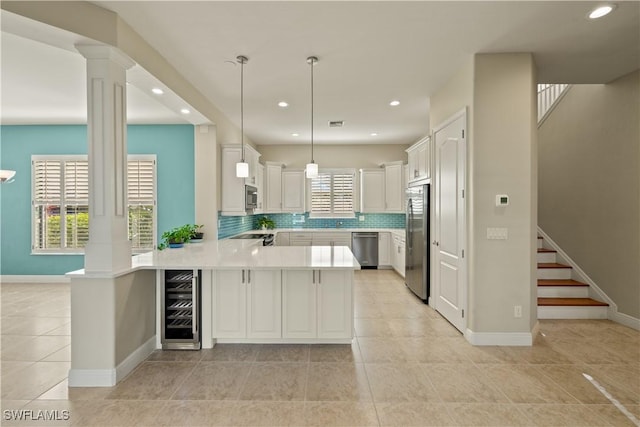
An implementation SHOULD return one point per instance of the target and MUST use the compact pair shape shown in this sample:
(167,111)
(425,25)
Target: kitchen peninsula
(250,294)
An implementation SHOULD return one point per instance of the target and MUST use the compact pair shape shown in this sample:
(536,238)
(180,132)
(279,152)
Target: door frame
(463,230)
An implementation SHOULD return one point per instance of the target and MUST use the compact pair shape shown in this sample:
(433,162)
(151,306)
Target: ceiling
(369,54)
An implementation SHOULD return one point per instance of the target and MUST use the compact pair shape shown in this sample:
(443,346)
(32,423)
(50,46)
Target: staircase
(559,295)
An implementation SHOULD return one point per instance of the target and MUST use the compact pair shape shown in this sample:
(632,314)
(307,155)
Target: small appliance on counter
(181,310)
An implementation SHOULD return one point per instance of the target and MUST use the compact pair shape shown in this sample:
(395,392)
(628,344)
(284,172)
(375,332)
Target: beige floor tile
(400,382)
(563,415)
(371,311)
(11,405)
(613,416)
(381,350)
(372,327)
(59,391)
(337,382)
(465,383)
(348,414)
(276,381)
(213,381)
(89,393)
(403,311)
(414,327)
(31,325)
(31,382)
(283,353)
(487,414)
(112,413)
(231,353)
(42,413)
(175,356)
(268,414)
(62,355)
(626,375)
(622,389)
(335,353)
(12,367)
(436,349)
(152,381)
(413,414)
(526,384)
(62,330)
(36,348)
(587,351)
(540,354)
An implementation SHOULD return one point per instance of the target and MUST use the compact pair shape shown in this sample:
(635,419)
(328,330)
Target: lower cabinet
(283,305)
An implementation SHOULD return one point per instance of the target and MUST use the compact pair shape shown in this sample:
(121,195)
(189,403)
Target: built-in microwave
(250,197)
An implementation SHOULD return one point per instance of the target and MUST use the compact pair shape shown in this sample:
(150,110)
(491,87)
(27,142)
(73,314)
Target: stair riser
(563,292)
(571,312)
(554,273)
(540,243)
(547,257)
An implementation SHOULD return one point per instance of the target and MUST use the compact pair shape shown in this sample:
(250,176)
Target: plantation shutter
(141,202)
(332,194)
(76,203)
(47,199)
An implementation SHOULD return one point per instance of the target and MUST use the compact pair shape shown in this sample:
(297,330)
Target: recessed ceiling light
(185,111)
(295,134)
(394,103)
(601,11)
(374,134)
(283,104)
(157,91)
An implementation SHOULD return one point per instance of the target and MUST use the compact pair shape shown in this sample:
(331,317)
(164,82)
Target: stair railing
(548,97)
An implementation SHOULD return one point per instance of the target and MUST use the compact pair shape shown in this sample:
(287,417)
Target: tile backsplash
(231,225)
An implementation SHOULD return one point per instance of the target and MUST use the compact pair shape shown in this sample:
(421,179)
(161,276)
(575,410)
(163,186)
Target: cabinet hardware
(319,276)
(313,273)
(242,276)
(248,276)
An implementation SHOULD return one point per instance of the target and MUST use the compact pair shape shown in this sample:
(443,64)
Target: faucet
(338,224)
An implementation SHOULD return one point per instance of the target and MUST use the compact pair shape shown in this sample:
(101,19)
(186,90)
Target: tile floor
(407,367)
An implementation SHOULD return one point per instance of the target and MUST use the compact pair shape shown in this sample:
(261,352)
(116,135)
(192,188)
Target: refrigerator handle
(194,304)
(409,217)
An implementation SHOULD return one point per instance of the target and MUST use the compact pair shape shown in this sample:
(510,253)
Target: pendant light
(242,168)
(7,176)
(312,167)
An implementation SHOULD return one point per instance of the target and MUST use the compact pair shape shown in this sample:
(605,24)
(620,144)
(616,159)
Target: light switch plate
(497,233)
(361,217)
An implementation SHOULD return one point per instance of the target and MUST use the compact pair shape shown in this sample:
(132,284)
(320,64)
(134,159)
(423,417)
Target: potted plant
(196,233)
(265,223)
(176,237)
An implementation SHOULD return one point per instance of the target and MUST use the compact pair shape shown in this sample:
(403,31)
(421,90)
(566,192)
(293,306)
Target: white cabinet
(300,239)
(372,198)
(384,249)
(273,187)
(252,157)
(293,191)
(332,239)
(419,160)
(299,304)
(398,254)
(230,304)
(232,186)
(394,187)
(282,239)
(335,304)
(264,299)
(260,185)
(247,304)
(382,190)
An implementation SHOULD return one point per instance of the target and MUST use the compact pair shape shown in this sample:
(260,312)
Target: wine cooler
(181,310)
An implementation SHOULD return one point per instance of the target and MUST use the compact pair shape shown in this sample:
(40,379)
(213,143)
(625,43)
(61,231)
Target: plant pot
(197,238)
(175,245)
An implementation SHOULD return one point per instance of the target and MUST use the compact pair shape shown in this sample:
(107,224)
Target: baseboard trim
(36,278)
(626,320)
(499,338)
(92,377)
(110,377)
(134,359)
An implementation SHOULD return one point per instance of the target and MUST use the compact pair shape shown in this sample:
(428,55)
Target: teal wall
(172,144)
(232,225)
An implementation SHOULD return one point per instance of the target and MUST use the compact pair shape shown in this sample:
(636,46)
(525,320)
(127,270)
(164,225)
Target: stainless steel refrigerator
(417,240)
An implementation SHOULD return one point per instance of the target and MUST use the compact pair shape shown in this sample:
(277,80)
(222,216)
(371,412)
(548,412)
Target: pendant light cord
(312,60)
(242,59)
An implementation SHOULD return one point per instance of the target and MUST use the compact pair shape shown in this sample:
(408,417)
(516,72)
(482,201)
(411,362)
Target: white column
(206,199)
(108,249)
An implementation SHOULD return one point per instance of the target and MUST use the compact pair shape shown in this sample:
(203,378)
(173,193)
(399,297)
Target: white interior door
(449,241)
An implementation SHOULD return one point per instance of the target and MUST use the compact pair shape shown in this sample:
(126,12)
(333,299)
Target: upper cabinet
(419,160)
(382,190)
(293,183)
(273,187)
(233,203)
(261,189)
(252,157)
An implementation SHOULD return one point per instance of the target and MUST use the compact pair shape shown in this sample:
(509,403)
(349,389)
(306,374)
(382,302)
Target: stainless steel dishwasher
(365,248)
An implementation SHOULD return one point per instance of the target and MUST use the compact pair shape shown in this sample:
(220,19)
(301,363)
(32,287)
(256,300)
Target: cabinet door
(293,191)
(401,258)
(299,304)
(232,186)
(335,304)
(229,302)
(424,168)
(273,183)
(264,299)
(394,190)
(300,239)
(384,252)
(412,164)
(260,185)
(372,190)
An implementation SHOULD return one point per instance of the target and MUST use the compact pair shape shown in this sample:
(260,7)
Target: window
(332,194)
(60,199)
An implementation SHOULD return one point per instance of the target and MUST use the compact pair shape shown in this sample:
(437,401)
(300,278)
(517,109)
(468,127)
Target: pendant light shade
(312,167)
(242,167)
(6,175)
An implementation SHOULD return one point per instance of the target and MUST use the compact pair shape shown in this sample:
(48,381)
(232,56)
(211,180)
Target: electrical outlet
(361,217)
(517,311)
